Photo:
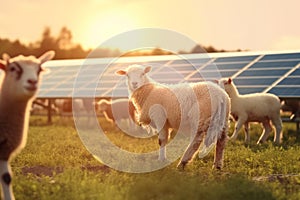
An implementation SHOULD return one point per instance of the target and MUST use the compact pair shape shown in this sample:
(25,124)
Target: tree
(47,42)
(64,39)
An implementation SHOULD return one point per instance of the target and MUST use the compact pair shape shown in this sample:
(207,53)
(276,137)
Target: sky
(257,25)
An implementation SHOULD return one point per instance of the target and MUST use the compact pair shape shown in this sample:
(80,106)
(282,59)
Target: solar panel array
(276,73)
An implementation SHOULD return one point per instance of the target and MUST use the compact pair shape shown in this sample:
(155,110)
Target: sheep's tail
(217,124)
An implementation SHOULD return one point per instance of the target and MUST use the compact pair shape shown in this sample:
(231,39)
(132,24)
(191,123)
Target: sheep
(187,107)
(258,107)
(293,106)
(117,110)
(19,85)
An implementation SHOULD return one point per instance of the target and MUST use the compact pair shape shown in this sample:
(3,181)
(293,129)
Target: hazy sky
(227,24)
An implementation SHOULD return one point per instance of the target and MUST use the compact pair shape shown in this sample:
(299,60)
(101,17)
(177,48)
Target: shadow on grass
(177,188)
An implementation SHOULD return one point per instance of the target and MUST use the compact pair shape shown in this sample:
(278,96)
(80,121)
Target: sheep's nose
(32,81)
(134,83)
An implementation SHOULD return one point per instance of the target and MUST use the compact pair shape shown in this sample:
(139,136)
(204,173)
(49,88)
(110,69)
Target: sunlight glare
(106,25)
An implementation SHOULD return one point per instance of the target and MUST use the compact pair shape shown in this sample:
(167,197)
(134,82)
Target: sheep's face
(136,76)
(102,106)
(227,84)
(22,75)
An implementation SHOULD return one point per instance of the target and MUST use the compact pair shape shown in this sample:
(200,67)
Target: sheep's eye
(12,69)
(40,69)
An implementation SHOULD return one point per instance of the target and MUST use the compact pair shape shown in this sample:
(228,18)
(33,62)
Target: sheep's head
(228,86)
(136,76)
(103,105)
(21,76)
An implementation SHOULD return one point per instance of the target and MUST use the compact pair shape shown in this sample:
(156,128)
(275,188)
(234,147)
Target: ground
(56,165)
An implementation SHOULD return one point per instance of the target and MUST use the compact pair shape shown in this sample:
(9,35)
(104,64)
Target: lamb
(256,107)
(187,107)
(117,110)
(19,85)
(292,106)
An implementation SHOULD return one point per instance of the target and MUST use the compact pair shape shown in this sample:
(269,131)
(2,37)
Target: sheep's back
(184,104)
(257,105)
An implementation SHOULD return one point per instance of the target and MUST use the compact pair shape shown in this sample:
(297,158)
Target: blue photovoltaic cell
(226,74)
(66,85)
(231,65)
(249,90)
(103,84)
(286,91)
(187,67)
(282,56)
(208,75)
(264,73)
(286,64)
(254,81)
(290,81)
(186,61)
(58,93)
(236,59)
(295,73)
(119,92)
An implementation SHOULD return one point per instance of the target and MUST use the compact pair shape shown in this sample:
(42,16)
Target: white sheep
(200,108)
(258,107)
(19,85)
(116,110)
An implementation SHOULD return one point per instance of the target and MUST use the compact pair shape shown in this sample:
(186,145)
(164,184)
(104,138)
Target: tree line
(65,48)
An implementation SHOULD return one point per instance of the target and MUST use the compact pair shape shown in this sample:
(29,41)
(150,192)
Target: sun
(103,26)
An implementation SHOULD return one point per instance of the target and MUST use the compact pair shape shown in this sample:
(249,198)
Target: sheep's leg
(219,153)
(247,135)
(191,150)
(278,127)
(238,127)
(6,180)
(266,132)
(163,136)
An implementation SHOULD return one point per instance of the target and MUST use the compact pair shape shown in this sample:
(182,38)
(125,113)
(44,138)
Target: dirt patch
(42,170)
(101,168)
(282,178)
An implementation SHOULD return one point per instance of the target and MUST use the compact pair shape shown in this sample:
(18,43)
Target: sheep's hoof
(259,142)
(217,167)
(181,165)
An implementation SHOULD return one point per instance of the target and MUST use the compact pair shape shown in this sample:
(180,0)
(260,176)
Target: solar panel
(276,73)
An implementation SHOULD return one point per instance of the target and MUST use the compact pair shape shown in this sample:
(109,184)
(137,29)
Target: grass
(55,165)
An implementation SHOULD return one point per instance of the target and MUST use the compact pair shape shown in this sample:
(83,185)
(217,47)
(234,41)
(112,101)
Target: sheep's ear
(2,65)
(6,57)
(215,81)
(121,72)
(5,61)
(229,81)
(47,56)
(147,69)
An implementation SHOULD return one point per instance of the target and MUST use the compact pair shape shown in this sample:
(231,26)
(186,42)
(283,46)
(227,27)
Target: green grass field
(56,165)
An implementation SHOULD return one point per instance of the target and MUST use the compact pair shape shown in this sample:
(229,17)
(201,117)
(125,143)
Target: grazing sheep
(19,85)
(256,107)
(188,107)
(116,110)
(293,106)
